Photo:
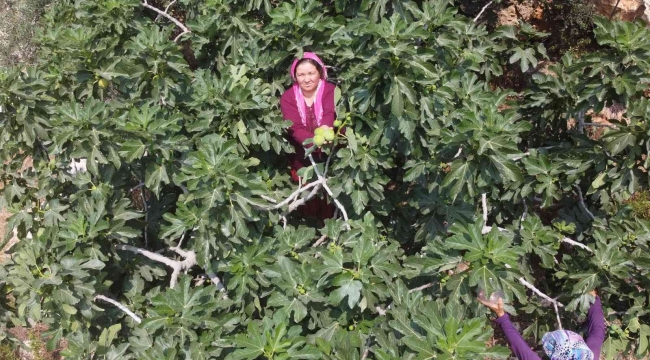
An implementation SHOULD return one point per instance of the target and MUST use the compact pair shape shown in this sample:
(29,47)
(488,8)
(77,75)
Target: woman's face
(307,77)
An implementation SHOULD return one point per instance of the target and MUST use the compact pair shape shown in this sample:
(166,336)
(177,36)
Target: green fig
(319,140)
(329,135)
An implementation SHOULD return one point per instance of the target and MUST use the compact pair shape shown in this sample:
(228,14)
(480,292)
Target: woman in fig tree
(309,105)
(559,344)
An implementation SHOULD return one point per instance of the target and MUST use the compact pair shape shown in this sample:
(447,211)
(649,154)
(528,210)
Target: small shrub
(7,352)
(640,203)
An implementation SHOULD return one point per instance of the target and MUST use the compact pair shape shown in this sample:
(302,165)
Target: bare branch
(329,157)
(581,122)
(286,201)
(169,6)
(169,17)
(485,211)
(601,125)
(299,202)
(269,199)
(136,187)
(320,241)
(146,218)
(135,317)
(177,266)
(557,312)
(329,191)
(583,205)
(420,288)
(536,290)
(575,243)
(482,11)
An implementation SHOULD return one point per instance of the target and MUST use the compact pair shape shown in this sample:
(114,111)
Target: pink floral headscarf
(300,99)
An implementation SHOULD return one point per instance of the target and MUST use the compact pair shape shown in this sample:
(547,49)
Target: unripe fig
(319,140)
(329,135)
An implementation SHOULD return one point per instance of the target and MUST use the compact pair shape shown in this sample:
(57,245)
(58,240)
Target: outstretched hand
(497,307)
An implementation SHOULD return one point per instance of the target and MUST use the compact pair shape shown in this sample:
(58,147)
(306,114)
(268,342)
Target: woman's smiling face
(307,76)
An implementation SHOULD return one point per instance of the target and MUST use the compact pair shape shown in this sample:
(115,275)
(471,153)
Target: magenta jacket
(298,132)
(594,335)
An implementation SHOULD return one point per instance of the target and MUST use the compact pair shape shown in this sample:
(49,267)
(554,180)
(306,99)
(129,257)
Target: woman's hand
(593,292)
(496,308)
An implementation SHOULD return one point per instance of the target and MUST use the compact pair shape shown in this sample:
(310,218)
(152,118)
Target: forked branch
(176,265)
(329,191)
(166,15)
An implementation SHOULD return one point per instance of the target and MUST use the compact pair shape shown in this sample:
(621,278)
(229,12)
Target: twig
(329,157)
(170,5)
(146,218)
(320,241)
(601,125)
(575,243)
(382,312)
(420,288)
(177,266)
(366,351)
(135,317)
(583,205)
(169,17)
(136,187)
(329,191)
(536,290)
(482,11)
(286,201)
(614,10)
(484,204)
(217,282)
(581,122)
(557,313)
(294,205)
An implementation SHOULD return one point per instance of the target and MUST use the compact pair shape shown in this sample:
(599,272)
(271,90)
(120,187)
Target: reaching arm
(595,335)
(517,343)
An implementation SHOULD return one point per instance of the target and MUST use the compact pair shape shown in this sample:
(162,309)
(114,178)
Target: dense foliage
(184,146)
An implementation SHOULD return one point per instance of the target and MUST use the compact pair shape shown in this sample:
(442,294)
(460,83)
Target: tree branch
(482,11)
(135,317)
(329,191)
(420,288)
(582,204)
(169,17)
(575,243)
(320,241)
(177,266)
(485,211)
(287,200)
(299,202)
(600,125)
(581,122)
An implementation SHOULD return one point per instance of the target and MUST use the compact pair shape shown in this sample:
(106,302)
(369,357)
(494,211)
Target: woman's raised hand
(496,307)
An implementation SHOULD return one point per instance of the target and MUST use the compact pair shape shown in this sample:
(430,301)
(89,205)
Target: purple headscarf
(300,99)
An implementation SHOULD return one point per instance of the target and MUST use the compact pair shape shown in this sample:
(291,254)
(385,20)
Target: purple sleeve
(595,335)
(517,343)
(297,131)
